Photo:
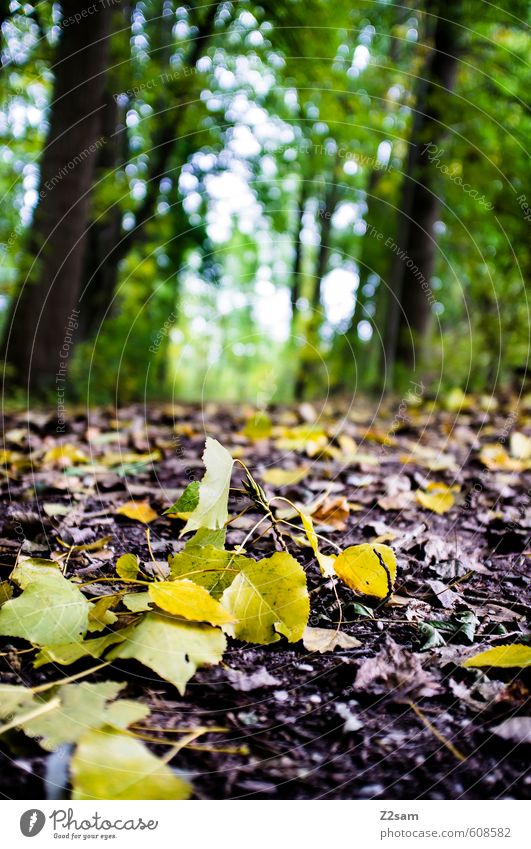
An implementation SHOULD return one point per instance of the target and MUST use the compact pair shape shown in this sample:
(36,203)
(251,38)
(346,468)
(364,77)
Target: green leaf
(188,500)
(109,764)
(100,613)
(50,610)
(212,568)
(13,699)
(81,707)
(127,567)
(206,536)
(137,602)
(505,657)
(67,653)
(172,648)
(269,598)
(189,600)
(212,509)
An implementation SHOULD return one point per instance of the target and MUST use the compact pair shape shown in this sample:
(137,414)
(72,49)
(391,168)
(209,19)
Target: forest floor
(299,724)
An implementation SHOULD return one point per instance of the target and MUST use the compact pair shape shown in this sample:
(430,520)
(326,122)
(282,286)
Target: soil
(299,724)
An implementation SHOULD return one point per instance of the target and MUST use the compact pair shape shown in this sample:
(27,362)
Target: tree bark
(110,244)
(296,278)
(34,342)
(410,296)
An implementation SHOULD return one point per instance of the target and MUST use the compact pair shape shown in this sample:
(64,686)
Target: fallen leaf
(50,610)
(172,648)
(505,657)
(139,511)
(285,477)
(333,512)
(244,682)
(258,426)
(327,639)
(269,598)
(520,446)
(352,722)
(212,508)
(369,568)
(440,500)
(396,673)
(64,455)
(189,600)
(516,730)
(109,764)
(127,567)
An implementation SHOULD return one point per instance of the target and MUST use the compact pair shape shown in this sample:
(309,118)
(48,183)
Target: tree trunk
(110,243)
(296,276)
(40,333)
(326,212)
(410,296)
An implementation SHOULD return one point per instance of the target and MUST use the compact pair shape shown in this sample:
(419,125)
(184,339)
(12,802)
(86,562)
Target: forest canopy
(263,200)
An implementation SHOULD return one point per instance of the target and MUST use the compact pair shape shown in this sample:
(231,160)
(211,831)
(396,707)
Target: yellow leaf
(258,426)
(438,502)
(189,600)
(369,568)
(495,458)
(88,546)
(65,455)
(326,639)
(269,598)
(517,655)
(140,511)
(285,477)
(325,561)
(109,764)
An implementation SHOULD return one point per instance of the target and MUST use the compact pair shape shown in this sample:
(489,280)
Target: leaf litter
(384,593)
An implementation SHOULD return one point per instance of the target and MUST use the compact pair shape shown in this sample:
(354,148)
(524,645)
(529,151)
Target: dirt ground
(414,723)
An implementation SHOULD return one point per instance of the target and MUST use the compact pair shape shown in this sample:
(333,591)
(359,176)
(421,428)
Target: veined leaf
(327,639)
(189,600)
(369,568)
(127,567)
(172,648)
(187,502)
(212,568)
(269,598)
(50,610)
(212,509)
(109,764)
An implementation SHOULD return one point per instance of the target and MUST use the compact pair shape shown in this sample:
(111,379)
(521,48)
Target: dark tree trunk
(110,244)
(34,341)
(296,277)
(326,212)
(410,296)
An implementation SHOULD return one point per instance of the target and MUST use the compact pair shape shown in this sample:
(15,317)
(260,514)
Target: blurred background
(263,202)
